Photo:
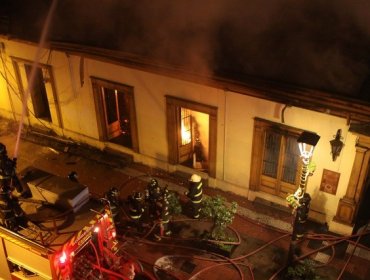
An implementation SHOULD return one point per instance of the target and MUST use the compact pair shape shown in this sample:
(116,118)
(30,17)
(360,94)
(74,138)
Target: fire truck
(69,235)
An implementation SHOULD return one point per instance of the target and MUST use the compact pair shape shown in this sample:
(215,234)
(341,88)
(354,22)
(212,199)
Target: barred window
(271,157)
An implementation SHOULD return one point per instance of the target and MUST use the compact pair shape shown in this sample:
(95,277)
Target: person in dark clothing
(113,196)
(164,218)
(136,207)
(11,213)
(154,195)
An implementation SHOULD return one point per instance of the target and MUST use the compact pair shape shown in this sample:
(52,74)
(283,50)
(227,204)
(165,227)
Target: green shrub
(222,215)
(174,206)
(302,271)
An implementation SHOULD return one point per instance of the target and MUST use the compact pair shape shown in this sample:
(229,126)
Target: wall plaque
(329,181)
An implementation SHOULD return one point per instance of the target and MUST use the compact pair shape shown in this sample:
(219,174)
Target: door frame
(173,129)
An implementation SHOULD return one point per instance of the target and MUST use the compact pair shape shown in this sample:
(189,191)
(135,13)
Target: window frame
(97,83)
(258,181)
(50,88)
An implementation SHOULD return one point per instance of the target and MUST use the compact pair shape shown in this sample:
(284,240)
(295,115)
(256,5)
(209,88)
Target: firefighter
(113,196)
(302,215)
(136,207)
(165,213)
(195,194)
(164,218)
(154,195)
(11,213)
(155,191)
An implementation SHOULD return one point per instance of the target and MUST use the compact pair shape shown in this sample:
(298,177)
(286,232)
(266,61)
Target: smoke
(318,45)
(313,43)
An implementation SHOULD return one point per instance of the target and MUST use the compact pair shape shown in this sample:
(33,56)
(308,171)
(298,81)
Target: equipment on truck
(66,238)
(11,214)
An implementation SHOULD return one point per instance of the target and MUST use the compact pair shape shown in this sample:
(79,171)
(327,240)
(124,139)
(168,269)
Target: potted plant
(221,215)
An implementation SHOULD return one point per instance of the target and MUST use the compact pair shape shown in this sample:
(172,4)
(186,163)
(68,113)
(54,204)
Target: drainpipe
(224,148)
(2,50)
(283,112)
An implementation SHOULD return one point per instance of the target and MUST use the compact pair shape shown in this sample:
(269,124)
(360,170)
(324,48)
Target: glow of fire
(185,135)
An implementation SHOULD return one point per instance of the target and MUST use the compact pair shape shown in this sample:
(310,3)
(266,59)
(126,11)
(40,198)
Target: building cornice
(352,109)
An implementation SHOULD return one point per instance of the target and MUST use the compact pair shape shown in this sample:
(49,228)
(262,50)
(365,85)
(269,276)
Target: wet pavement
(257,223)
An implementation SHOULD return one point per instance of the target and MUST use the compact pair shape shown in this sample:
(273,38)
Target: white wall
(236,114)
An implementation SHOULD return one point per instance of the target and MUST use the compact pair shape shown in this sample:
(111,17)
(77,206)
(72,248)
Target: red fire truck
(59,242)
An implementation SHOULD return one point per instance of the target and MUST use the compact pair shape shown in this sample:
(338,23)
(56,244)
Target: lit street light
(300,200)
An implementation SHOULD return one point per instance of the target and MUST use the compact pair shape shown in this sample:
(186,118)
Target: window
(275,158)
(116,113)
(38,93)
(39,80)
(186,126)
(191,130)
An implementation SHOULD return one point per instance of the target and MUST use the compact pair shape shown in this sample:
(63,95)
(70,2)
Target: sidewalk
(101,170)
(66,156)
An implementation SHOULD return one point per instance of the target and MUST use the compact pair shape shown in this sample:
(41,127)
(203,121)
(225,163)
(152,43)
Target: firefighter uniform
(154,195)
(195,194)
(11,214)
(165,214)
(301,216)
(164,218)
(136,206)
(113,196)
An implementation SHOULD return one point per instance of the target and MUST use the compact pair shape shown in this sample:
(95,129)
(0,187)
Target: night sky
(313,43)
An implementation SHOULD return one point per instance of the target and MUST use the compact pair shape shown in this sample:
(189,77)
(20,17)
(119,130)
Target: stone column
(348,205)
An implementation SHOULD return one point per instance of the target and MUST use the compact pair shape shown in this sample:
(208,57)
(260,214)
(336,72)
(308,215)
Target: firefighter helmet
(153,183)
(195,178)
(114,191)
(138,196)
(112,194)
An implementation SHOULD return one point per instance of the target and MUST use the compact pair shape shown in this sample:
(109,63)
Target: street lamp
(336,145)
(300,200)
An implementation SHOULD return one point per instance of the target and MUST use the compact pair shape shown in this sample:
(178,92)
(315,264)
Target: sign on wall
(329,181)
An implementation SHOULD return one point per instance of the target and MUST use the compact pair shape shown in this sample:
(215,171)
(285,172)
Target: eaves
(320,101)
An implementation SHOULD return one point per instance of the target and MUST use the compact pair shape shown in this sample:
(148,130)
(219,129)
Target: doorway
(192,130)
(194,139)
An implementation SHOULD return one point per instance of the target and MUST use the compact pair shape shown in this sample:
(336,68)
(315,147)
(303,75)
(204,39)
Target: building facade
(232,135)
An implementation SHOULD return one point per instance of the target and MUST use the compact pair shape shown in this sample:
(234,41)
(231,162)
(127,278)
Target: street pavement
(257,224)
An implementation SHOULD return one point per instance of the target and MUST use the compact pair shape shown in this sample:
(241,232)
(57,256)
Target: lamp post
(300,200)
